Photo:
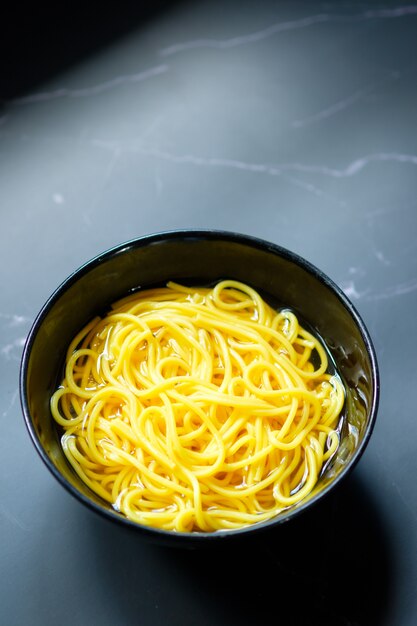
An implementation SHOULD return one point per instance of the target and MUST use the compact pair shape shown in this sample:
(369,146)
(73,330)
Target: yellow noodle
(197,409)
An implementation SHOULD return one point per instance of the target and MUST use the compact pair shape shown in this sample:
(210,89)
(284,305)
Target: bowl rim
(196,234)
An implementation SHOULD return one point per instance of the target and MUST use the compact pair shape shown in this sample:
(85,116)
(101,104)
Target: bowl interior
(199,258)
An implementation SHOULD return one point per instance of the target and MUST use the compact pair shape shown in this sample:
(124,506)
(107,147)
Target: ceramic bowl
(199,257)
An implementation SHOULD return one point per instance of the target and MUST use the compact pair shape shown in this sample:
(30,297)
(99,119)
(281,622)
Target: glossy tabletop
(295,122)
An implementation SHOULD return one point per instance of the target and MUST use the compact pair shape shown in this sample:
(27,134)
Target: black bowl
(202,257)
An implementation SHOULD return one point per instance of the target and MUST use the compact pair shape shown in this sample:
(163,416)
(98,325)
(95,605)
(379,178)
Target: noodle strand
(197,409)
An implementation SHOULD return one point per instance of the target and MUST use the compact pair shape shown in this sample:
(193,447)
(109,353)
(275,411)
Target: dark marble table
(295,122)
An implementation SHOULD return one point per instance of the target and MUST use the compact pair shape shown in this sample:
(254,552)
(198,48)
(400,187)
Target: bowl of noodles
(196,385)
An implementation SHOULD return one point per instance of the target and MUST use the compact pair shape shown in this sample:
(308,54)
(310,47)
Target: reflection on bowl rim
(161,535)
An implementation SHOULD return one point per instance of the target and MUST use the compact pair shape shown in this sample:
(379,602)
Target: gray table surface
(294,122)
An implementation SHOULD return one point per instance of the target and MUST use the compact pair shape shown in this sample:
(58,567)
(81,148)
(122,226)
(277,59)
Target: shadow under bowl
(199,257)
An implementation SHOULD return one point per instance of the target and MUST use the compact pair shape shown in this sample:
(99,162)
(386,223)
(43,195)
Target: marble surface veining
(292,121)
